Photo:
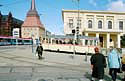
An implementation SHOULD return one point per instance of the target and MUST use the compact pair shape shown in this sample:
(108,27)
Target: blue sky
(51,9)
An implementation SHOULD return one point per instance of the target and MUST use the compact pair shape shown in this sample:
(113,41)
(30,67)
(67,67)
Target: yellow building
(108,26)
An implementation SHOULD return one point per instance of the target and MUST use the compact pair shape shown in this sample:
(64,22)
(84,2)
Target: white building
(108,26)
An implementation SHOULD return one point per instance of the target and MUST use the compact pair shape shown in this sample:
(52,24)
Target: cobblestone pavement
(18,63)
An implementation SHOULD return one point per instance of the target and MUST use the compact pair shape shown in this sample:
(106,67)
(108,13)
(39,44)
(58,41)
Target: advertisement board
(16,33)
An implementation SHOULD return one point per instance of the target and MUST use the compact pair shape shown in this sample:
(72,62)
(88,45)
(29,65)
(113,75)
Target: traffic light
(77,32)
(73,31)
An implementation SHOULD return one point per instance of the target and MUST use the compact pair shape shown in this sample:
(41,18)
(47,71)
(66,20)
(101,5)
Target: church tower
(32,27)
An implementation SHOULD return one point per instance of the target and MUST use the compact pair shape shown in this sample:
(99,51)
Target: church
(32,26)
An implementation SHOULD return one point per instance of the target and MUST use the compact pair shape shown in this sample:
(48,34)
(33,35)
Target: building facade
(108,26)
(8,23)
(32,27)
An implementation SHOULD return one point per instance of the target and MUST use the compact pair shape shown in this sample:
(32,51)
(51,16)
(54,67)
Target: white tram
(66,43)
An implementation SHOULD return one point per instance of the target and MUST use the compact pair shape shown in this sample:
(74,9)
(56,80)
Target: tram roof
(70,37)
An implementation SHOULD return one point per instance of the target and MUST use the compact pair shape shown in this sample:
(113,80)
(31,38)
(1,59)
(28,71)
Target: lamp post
(78,22)
(76,32)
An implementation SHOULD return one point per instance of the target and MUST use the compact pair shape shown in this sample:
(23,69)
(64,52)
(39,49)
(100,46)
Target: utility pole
(76,33)
(78,23)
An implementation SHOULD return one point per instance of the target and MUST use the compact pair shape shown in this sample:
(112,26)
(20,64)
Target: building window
(100,24)
(121,25)
(90,24)
(79,23)
(70,23)
(109,24)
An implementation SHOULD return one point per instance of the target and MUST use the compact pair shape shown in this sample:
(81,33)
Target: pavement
(19,63)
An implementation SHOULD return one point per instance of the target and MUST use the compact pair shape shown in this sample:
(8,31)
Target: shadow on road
(119,77)
(106,77)
(88,75)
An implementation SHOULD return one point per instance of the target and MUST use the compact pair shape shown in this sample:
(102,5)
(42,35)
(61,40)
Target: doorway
(101,41)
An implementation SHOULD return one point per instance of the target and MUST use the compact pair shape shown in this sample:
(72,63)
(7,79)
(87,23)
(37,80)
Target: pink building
(32,26)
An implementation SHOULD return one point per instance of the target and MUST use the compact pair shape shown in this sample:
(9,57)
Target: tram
(14,41)
(63,43)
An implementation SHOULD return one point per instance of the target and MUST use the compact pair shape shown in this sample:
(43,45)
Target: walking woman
(113,63)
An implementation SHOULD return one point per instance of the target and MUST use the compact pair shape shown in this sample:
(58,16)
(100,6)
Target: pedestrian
(39,50)
(123,65)
(114,62)
(98,63)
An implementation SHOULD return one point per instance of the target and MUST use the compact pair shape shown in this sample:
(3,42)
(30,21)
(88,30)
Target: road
(18,63)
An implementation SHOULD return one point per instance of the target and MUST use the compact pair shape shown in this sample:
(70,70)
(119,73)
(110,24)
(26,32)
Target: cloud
(118,5)
(93,2)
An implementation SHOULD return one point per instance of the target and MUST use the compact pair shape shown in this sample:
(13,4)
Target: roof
(93,11)
(5,18)
(32,19)
(32,22)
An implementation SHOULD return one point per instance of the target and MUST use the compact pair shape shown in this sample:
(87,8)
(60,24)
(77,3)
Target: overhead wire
(13,3)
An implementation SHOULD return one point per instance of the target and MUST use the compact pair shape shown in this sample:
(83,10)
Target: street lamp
(78,23)
(76,32)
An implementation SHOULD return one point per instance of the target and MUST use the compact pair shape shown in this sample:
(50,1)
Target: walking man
(98,63)
(40,51)
(114,62)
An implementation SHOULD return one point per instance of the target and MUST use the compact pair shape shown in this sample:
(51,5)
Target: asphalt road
(18,63)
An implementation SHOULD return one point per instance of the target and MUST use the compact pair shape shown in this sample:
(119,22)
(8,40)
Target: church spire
(33,5)
(32,18)
(32,11)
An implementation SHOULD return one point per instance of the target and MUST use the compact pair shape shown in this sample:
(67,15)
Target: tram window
(94,42)
(86,42)
(91,41)
(26,40)
(60,42)
(14,40)
(56,41)
(9,40)
(19,40)
(53,42)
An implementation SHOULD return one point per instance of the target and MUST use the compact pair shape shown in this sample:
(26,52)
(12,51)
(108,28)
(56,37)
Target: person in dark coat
(40,51)
(123,65)
(98,63)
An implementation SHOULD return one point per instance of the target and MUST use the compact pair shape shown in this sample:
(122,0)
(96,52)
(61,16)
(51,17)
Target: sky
(50,11)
